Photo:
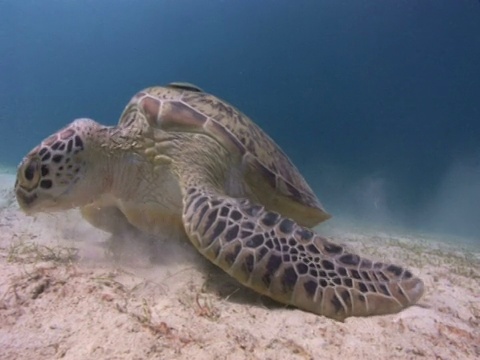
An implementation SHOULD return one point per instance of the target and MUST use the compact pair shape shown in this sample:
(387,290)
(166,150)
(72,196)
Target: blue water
(377,102)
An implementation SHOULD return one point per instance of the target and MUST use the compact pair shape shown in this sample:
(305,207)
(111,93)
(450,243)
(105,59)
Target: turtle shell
(269,174)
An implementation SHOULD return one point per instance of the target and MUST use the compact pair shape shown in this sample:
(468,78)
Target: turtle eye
(31,171)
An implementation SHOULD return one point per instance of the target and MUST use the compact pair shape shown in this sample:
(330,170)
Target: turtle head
(59,173)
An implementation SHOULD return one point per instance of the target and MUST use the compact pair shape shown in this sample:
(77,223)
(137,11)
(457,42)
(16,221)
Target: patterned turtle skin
(182,161)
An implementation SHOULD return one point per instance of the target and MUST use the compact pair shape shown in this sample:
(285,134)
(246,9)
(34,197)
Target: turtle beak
(25,201)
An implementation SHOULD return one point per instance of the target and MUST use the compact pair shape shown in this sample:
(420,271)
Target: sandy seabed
(63,297)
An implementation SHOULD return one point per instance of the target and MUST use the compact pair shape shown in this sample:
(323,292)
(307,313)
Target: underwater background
(376,102)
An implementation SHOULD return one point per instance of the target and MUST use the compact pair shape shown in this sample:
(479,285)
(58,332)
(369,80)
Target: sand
(62,295)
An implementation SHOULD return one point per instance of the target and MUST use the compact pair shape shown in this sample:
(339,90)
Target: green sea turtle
(181,160)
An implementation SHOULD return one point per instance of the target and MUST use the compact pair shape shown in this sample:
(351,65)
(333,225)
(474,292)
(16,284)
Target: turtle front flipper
(292,264)
(106,218)
(110,219)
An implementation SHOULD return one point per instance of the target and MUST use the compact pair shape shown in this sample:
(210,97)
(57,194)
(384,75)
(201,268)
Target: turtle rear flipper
(291,264)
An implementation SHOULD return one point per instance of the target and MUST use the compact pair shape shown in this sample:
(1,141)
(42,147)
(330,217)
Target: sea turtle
(181,160)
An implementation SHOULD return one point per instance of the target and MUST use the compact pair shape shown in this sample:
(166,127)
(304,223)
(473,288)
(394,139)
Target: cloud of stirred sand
(451,207)
(456,206)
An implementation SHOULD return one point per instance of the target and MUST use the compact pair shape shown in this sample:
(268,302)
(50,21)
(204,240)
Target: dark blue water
(377,102)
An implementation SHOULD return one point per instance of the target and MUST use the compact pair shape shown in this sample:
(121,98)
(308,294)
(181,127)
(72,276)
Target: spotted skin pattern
(184,162)
(291,264)
(55,162)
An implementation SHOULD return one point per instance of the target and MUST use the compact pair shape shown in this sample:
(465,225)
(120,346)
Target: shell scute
(270,174)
